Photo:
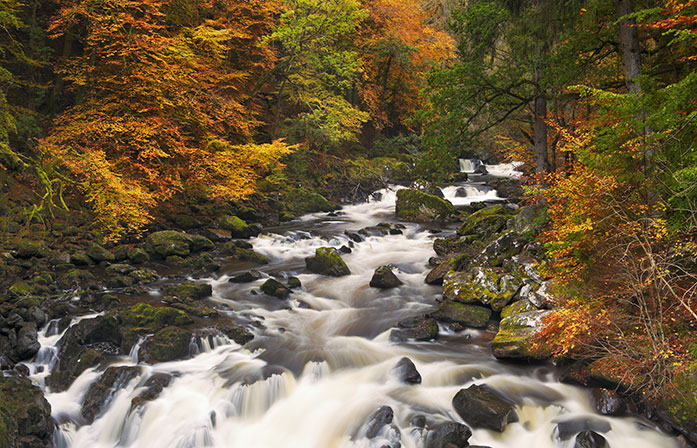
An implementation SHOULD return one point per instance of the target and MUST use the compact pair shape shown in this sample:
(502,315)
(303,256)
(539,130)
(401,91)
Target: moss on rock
(327,261)
(486,222)
(190,290)
(168,344)
(466,315)
(143,315)
(417,206)
(517,335)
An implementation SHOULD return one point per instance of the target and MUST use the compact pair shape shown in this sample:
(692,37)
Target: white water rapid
(322,363)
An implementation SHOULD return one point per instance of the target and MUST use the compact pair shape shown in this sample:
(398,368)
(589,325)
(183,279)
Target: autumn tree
(317,70)
(162,102)
(399,49)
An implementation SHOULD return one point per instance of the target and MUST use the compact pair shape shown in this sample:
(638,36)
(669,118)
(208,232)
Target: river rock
(27,342)
(406,371)
(590,439)
(516,337)
(487,286)
(85,345)
(80,258)
(190,290)
(437,274)
(274,288)
(167,243)
(168,344)
(451,312)
(486,222)
(294,283)
(447,435)
(418,329)
(414,205)
(25,415)
(100,392)
(380,425)
(119,269)
(384,278)
(327,261)
(503,248)
(450,246)
(484,407)
(28,249)
(98,253)
(608,402)
(153,387)
(247,277)
(137,255)
(237,227)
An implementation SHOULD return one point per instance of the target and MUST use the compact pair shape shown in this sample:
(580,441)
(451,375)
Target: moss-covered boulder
(301,201)
(98,253)
(486,222)
(243,252)
(437,274)
(80,258)
(327,261)
(144,275)
(29,248)
(237,227)
(76,278)
(143,315)
(417,329)
(481,285)
(190,290)
(427,187)
(137,255)
(451,312)
(168,344)
(520,306)
(274,288)
(84,345)
(167,243)
(516,338)
(25,415)
(417,206)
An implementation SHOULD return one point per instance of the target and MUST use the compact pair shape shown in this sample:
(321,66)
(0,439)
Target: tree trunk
(541,158)
(59,83)
(629,47)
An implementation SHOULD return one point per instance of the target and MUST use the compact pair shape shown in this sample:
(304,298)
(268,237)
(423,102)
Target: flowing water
(322,363)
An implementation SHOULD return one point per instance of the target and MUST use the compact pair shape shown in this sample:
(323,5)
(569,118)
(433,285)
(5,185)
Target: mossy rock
(81,258)
(29,248)
(137,255)
(168,344)
(678,405)
(239,253)
(143,315)
(327,261)
(418,329)
(481,285)
(274,288)
(237,227)
(144,275)
(190,290)
(486,222)
(304,201)
(168,243)
(21,289)
(521,306)
(462,314)
(25,415)
(517,337)
(76,278)
(98,253)
(417,206)
(119,269)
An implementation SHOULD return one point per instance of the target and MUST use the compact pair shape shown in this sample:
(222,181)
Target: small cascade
(472,166)
(133,354)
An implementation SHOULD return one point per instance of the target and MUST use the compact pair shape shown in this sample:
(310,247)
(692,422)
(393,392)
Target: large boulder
(417,206)
(190,290)
(384,278)
(327,261)
(145,316)
(406,371)
(167,243)
(30,248)
(503,248)
(168,344)
(418,329)
(98,253)
(99,392)
(486,222)
(481,285)
(447,435)
(25,415)
(451,312)
(274,288)
(27,342)
(84,345)
(237,227)
(517,336)
(484,407)
(427,187)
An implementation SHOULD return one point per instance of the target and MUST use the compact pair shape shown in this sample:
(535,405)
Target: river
(322,362)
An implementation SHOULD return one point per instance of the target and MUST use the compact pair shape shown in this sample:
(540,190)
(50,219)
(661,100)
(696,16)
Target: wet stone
(484,407)
(274,288)
(247,277)
(406,371)
(590,439)
(384,278)
(608,402)
(418,329)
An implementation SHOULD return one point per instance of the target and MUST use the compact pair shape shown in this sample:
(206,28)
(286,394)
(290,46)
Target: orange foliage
(163,102)
(399,49)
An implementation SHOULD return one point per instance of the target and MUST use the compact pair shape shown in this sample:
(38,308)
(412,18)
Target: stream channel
(322,362)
